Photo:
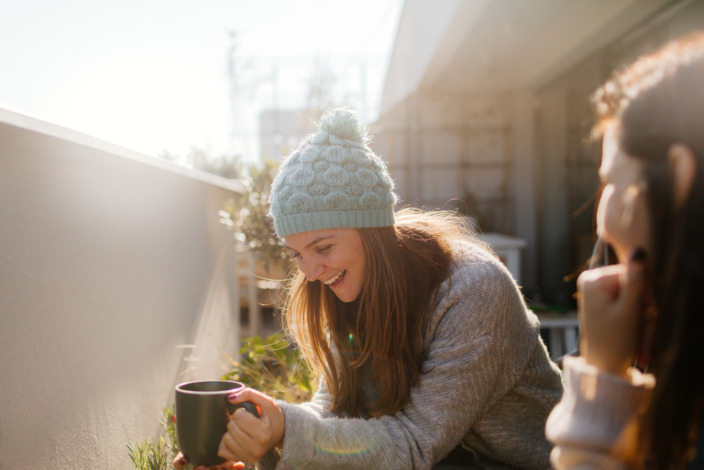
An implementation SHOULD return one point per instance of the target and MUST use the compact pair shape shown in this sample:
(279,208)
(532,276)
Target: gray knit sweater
(486,381)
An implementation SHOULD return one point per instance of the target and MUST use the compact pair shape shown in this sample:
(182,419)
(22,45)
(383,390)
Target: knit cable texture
(333,180)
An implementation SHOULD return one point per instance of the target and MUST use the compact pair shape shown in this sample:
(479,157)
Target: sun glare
(158,77)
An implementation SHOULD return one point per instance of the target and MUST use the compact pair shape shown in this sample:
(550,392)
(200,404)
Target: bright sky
(152,75)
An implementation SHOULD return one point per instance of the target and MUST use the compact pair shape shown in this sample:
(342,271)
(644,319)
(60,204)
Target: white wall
(109,262)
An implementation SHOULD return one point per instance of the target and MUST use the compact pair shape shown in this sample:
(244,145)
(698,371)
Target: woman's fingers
(179,462)
(270,414)
(236,445)
(610,310)
(248,438)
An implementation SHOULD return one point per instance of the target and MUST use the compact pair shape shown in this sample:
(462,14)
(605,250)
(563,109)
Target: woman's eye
(323,249)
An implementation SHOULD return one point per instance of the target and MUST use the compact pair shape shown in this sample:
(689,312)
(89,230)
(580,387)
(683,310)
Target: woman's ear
(684,169)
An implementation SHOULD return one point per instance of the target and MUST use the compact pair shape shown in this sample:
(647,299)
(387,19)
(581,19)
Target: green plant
(247,213)
(158,455)
(149,456)
(168,424)
(273,366)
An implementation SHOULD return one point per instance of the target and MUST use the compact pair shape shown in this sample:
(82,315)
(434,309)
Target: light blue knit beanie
(333,180)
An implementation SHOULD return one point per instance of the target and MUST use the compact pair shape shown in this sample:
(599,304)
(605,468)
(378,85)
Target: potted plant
(272,365)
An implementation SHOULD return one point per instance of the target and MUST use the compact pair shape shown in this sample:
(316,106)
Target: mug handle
(248,405)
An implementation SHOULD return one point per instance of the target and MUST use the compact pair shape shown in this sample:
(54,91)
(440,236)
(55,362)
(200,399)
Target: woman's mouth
(335,280)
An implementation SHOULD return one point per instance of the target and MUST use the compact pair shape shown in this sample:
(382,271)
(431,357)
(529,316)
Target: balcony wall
(110,263)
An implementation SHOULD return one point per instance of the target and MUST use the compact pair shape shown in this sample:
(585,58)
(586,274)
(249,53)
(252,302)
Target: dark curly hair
(658,101)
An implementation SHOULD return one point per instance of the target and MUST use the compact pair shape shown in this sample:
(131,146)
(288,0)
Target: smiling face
(623,219)
(334,257)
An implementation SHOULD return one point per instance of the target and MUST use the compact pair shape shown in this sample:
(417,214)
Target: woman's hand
(248,438)
(611,313)
(180,463)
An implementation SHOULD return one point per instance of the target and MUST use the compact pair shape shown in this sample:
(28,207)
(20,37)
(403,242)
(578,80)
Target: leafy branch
(157,455)
(273,366)
(247,213)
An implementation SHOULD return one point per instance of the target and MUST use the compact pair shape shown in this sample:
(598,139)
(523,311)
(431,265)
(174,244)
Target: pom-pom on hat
(333,180)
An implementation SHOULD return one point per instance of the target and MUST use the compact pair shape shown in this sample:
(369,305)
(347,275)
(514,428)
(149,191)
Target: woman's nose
(312,269)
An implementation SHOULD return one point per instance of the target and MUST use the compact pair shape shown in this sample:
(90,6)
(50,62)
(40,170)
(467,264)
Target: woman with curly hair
(635,397)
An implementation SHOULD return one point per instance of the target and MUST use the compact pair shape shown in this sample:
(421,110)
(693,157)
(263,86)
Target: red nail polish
(182,461)
(638,255)
(232,396)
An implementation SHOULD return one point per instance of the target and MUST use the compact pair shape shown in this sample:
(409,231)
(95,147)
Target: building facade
(486,110)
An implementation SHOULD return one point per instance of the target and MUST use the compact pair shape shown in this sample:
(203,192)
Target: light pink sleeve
(594,410)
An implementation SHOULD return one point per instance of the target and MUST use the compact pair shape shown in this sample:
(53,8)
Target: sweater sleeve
(464,374)
(593,413)
(415,437)
(319,405)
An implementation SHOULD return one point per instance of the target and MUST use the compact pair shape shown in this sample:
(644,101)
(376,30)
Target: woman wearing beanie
(420,336)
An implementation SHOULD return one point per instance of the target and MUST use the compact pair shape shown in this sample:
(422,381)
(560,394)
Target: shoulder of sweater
(480,289)
(474,262)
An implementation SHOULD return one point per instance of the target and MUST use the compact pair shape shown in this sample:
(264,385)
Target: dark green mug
(202,413)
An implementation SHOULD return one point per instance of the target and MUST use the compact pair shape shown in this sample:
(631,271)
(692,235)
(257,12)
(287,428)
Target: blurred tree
(227,166)
(321,87)
(247,213)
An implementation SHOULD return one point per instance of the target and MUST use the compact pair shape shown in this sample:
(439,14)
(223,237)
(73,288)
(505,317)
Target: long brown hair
(658,101)
(380,332)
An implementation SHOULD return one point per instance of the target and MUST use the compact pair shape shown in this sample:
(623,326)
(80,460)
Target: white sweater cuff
(596,407)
